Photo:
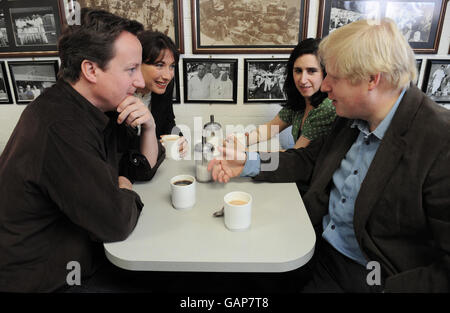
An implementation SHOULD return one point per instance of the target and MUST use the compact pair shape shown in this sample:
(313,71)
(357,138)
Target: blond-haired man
(379,182)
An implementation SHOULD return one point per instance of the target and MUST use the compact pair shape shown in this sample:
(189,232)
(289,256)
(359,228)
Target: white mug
(183,191)
(171,143)
(237,210)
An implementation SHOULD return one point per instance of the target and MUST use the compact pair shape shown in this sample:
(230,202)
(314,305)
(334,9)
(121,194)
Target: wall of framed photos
(244,106)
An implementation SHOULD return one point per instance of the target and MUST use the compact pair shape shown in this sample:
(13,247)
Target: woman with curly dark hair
(307,109)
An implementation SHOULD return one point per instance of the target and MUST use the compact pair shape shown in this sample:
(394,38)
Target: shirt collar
(379,132)
(98,118)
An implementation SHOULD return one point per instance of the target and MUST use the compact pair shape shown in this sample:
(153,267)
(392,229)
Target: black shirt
(162,111)
(59,193)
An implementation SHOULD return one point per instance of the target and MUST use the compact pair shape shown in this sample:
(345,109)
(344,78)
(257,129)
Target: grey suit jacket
(402,211)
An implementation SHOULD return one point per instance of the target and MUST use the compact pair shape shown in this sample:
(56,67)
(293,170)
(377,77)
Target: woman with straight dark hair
(159,59)
(307,109)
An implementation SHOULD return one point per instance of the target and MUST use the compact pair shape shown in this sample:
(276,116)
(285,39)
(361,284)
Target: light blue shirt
(337,225)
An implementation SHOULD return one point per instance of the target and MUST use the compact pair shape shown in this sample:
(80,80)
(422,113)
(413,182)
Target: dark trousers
(333,272)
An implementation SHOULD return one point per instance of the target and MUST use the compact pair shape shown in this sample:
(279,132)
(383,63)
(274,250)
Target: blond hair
(368,47)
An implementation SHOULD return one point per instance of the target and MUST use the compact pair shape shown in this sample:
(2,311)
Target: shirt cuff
(252,166)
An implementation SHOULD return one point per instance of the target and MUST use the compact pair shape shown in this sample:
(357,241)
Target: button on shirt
(338,227)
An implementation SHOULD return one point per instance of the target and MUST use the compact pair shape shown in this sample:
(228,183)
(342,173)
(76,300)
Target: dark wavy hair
(92,40)
(295,100)
(153,42)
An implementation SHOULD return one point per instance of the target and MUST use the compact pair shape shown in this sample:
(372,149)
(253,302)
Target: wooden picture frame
(264,80)
(30,78)
(419,20)
(5,92)
(176,88)
(165,16)
(229,26)
(210,89)
(29,28)
(436,80)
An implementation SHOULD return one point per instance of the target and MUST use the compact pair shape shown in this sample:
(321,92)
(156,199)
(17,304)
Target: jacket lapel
(386,159)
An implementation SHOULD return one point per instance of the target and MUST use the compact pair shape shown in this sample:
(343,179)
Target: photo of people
(3,34)
(156,15)
(34,26)
(265,80)
(419,21)
(413,18)
(212,80)
(31,78)
(438,84)
(249,22)
(345,12)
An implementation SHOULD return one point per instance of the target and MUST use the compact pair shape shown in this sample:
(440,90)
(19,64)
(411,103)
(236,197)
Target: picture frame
(31,78)
(419,20)
(419,67)
(232,26)
(436,80)
(168,18)
(5,92)
(218,83)
(29,28)
(264,80)
(176,99)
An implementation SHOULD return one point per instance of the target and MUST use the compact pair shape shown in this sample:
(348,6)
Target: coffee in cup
(183,191)
(182,183)
(237,210)
(237,202)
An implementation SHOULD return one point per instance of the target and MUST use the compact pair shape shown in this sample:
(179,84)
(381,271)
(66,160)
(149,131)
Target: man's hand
(231,162)
(134,112)
(125,183)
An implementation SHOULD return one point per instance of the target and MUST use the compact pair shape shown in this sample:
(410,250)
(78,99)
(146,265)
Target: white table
(280,238)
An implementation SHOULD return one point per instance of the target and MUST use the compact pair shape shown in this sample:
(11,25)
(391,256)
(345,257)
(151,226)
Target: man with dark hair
(66,172)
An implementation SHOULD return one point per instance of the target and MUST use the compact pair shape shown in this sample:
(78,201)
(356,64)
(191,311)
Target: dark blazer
(402,211)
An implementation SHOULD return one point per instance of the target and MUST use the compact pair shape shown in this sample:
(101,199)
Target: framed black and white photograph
(264,80)
(239,26)
(436,81)
(337,13)
(5,93)
(29,28)
(31,78)
(4,41)
(176,88)
(165,16)
(210,80)
(420,21)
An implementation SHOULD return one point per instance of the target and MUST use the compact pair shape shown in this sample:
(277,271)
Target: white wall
(239,113)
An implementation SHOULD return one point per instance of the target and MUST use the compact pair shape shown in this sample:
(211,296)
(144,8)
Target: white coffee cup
(183,191)
(237,210)
(171,143)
